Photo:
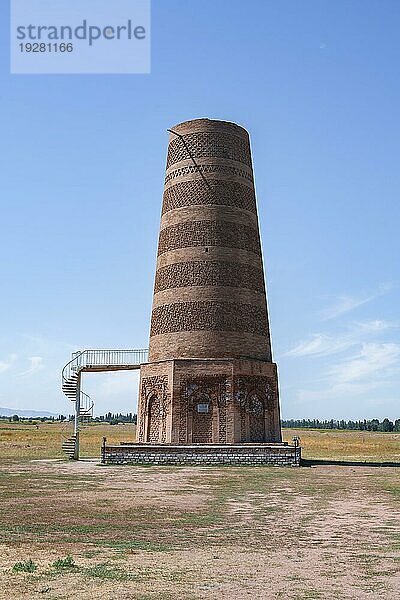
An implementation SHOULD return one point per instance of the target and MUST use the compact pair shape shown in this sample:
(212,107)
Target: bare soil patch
(191,533)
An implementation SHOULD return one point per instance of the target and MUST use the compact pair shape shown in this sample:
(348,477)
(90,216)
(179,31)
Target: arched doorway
(154,420)
(202,420)
(256,419)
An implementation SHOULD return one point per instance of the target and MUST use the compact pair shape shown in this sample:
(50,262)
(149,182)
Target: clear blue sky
(82,162)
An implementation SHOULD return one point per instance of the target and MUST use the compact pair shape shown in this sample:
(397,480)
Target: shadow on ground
(346,463)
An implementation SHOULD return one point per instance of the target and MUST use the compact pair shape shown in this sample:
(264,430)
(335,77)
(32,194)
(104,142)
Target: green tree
(387,425)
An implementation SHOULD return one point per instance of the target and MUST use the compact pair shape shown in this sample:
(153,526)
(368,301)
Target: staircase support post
(77,413)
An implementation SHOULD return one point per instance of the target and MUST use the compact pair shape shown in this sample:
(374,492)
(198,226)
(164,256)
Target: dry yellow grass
(25,441)
(347,445)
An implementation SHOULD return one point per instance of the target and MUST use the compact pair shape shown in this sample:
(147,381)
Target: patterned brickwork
(209,233)
(211,390)
(218,192)
(256,397)
(209,273)
(242,399)
(154,419)
(264,386)
(202,424)
(210,316)
(209,325)
(222,416)
(256,409)
(227,170)
(155,400)
(183,418)
(209,144)
(200,125)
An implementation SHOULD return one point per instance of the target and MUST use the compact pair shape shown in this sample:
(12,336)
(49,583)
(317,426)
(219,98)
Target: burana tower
(210,376)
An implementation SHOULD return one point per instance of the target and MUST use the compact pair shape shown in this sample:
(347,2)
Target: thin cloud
(36,364)
(320,344)
(5,365)
(373,359)
(340,393)
(375,326)
(368,374)
(345,304)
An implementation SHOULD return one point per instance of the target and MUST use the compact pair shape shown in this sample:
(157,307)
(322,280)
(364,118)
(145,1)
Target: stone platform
(281,455)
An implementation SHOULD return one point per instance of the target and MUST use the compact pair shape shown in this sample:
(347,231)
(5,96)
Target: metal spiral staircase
(86,406)
(94,361)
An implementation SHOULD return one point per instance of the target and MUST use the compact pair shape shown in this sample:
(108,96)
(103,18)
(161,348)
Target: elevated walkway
(92,361)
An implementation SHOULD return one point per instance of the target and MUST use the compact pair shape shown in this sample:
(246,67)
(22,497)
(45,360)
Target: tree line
(114,418)
(385,425)
(365,425)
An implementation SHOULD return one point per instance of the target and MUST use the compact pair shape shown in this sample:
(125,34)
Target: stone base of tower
(250,455)
(209,401)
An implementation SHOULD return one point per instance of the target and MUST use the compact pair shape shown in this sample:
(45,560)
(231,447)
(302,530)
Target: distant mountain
(9,412)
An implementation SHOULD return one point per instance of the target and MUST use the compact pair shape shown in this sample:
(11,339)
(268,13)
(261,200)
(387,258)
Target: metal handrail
(85,359)
(86,403)
(94,358)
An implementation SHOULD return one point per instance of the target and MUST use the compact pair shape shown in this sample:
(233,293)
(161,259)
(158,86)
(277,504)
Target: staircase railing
(67,429)
(86,406)
(106,358)
(96,360)
(86,411)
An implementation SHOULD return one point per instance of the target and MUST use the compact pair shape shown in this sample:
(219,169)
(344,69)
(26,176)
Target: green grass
(27,566)
(104,571)
(64,564)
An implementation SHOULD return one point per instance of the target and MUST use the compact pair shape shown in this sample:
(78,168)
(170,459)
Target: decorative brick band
(218,192)
(206,144)
(204,169)
(209,316)
(209,233)
(209,273)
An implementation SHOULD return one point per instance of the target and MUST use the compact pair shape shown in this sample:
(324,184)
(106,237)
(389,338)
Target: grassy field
(363,446)
(80,530)
(25,441)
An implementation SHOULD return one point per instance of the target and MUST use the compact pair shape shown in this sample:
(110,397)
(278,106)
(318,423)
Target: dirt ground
(138,533)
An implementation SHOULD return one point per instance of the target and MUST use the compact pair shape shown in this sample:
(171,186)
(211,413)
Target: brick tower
(210,376)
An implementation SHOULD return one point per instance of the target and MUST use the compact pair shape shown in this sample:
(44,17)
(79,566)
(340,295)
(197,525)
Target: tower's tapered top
(209,125)
(209,295)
